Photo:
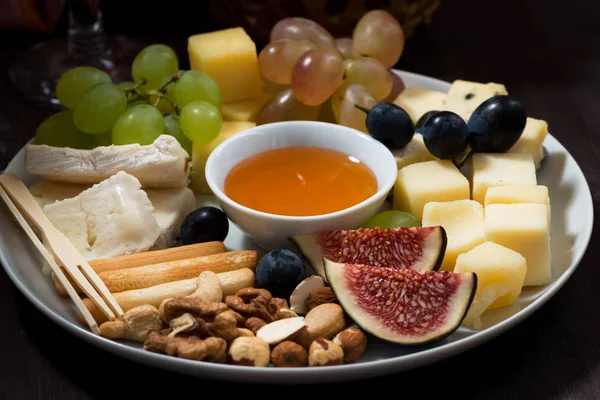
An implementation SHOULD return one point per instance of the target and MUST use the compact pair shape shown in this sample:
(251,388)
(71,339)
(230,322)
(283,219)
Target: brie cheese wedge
(112,218)
(162,164)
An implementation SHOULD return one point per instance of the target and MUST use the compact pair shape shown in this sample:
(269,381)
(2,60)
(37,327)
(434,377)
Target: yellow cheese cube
(512,194)
(244,110)
(463,222)
(464,96)
(500,169)
(200,154)
(229,57)
(532,140)
(523,228)
(500,275)
(414,152)
(417,101)
(420,183)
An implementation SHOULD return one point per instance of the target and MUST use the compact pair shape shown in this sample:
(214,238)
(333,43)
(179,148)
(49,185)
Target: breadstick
(149,258)
(151,275)
(231,282)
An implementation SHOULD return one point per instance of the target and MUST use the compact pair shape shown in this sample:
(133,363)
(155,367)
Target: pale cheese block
(417,101)
(512,194)
(500,275)
(465,96)
(424,182)
(162,164)
(114,217)
(229,57)
(500,169)
(200,154)
(245,110)
(414,152)
(463,222)
(532,140)
(523,228)
(171,206)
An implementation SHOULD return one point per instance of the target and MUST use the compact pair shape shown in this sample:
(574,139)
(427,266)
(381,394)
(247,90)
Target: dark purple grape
(445,134)
(496,125)
(422,120)
(390,124)
(205,224)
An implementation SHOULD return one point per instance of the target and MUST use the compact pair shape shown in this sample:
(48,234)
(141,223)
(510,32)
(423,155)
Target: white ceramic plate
(572,220)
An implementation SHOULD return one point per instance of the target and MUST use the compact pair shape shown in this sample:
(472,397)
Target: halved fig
(402,305)
(417,248)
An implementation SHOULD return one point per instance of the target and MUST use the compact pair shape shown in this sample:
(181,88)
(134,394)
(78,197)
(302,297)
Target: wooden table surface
(548,56)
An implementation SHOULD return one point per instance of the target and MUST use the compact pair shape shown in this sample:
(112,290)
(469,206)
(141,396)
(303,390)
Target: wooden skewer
(87,316)
(77,266)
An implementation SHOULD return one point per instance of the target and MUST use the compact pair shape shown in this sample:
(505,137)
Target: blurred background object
(36,70)
(339,17)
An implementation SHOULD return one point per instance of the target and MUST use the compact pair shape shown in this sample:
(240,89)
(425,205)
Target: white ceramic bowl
(271,231)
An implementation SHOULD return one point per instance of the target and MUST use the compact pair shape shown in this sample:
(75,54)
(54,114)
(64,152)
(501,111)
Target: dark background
(547,53)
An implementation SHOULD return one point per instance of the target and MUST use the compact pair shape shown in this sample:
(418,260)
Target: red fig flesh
(402,305)
(417,248)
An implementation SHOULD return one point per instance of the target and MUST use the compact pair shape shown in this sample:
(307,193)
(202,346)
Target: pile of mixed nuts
(250,328)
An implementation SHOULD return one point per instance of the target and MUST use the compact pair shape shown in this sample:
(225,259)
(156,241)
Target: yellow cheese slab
(463,222)
(511,194)
(465,96)
(500,275)
(532,140)
(417,101)
(200,154)
(229,57)
(414,152)
(523,228)
(420,183)
(500,169)
(244,110)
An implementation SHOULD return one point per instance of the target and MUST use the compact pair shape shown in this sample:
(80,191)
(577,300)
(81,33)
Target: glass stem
(85,36)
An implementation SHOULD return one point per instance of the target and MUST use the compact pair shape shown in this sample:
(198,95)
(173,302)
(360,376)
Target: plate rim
(345,372)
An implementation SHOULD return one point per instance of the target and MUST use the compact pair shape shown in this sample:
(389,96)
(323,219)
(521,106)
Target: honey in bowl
(300,181)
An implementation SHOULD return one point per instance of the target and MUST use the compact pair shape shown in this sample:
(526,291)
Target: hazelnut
(254,324)
(289,354)
(353,342)
(321,295)
(325,352)
(246,332)
(251,351)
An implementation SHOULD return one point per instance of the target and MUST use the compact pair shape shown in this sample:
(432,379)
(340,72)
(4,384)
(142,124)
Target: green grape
(103,139)
(392,219)
(126,85)
(58,130)
(197,86)
(136,102)
(141,124)
(99,108)
(201,122)
(153,63)
(172,128)
(76,81)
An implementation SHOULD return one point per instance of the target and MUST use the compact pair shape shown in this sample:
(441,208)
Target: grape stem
(361,108)
(462,159)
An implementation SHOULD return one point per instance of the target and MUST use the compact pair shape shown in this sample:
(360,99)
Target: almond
(323,321)
(278,331)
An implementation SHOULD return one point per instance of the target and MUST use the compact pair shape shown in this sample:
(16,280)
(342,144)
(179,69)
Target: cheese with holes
(171,206)
(511,194)
(112,218)
(245,110)
(463,222)
(417,101)
(420,183)
(229,57)
(532,140)
(523,228)
(500,276)
(464,96)
(200,154)
(500,169)
(414,152)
